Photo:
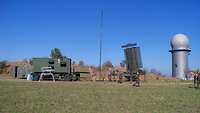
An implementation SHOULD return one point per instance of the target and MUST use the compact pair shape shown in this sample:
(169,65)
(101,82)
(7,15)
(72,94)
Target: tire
(68,77)
(36,76)
(77,77)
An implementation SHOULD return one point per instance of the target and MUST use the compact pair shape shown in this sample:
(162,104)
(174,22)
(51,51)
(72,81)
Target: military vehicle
(133,61)
(61,68)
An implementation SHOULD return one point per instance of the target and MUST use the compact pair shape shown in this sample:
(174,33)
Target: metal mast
(100,42)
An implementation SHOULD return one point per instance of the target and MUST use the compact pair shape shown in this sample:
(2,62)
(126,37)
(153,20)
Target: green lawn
(19,96)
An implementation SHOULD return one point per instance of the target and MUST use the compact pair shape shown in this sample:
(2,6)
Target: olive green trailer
(61,67)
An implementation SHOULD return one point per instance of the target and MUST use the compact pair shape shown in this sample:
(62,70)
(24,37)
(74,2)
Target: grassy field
(19,96)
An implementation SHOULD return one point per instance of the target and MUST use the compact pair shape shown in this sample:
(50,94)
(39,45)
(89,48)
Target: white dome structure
(179,41)
(180,51)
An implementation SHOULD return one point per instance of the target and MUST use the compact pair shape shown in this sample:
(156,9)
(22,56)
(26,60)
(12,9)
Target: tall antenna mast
(100,42)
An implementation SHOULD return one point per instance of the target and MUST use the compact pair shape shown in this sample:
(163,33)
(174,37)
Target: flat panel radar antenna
(129,45)
(133,57)
(133,62)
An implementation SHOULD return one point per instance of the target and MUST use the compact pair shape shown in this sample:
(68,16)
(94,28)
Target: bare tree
(3,65)
(56,53)
(30,61)
(74,62)
(123,63)
(106,65)
(81,63)
(144,73)
(155,71)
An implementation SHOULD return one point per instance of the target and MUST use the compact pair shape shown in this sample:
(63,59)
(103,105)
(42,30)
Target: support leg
(41,77)
(53,77)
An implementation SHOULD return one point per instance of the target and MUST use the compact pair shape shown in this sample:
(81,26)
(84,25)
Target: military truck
(62,68)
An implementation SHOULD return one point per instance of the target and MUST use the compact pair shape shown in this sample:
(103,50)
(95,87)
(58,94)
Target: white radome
(179,41)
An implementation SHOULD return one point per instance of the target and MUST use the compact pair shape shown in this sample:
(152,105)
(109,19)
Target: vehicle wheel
(78,77)
(68,77)
(74,78)
(36,76)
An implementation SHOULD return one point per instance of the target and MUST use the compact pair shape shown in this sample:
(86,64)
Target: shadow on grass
(191,86)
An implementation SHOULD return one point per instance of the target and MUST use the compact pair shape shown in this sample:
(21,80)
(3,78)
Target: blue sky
(31,28)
